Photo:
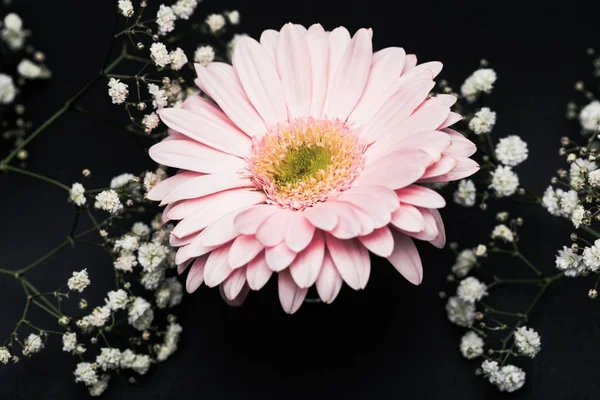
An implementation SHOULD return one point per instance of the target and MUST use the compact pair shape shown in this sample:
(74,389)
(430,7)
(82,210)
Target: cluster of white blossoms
(481,81)
(466,193)
(77,194)
(527,341)
(108,200)
(503,233)
(589,116)
(511,151)
(483,121)
(504,181)
(466,260)
(79,281)
(471,345)
(125,8)
(117,90)
(471,289)
(8,90)
(507,378)
(12,32)
(204,55)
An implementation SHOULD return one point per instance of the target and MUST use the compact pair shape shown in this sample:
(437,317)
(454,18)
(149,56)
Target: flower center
(303,162)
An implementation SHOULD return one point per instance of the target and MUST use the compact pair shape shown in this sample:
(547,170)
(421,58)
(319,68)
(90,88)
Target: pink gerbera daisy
(312,156)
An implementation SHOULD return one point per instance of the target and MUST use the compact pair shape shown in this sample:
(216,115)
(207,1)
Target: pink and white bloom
(313,155)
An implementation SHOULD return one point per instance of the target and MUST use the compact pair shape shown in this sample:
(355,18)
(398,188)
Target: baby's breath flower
(570,262)
(108,200)
(471,289)
(139,228)
(578,216)
(510,378)
(503,232)
(460,312)
(69,341)
(465,193)
(215,22)
(117,299)
(590,116)
(169,294)
(4,355)
(511,151)
(100,386)
(29,70)
(127,242)
(8,91)
(33,344)
(109,358)
(465,261)
(178,59)
(568,202)
(578,170)
(551,199)
(165,19)
(151,179)
(13,33)
(481,251)
(594,178)
(158,95)
(150,121)
(120,181)
(504,181)
(151,255)
(170,344)
(527,341)
(184,8)
(125,262)
(86,373)
(204,55)
(140,314)
(153,278)
(481,80)
(79,281)
(77,194)
(233,17)
(483,121)
(126,8)
(471,345)
(98,317)
(117,91)
(591,256)
(159,54)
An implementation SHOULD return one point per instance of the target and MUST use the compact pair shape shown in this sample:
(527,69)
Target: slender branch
(529,264)
(44,257)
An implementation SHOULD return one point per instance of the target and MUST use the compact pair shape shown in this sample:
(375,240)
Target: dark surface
(391,340)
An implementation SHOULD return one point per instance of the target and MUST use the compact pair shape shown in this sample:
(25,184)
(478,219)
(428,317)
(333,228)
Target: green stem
(529,264)
(34,175)
(36,292)
(591,231)
(44,257)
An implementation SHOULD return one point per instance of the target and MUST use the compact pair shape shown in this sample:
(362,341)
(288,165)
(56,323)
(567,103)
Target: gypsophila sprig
(527,341)
(79,281)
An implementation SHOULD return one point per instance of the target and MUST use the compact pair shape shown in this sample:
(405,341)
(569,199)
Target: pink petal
(428,117)
(318,48)
(208,130)
(348,225)
(433,67)
(445,165)
(322,216)
(206,184)
(351,260)
(409,63)
(405,258)
(217,268)
(451,120)
(239,300)
(464,168)
(430,231)
(234,283)
(371,204)
(162,189)
(248,221)
(329,281)
(408,218)
(258,272)
(367,225)
(279,257)
(215,208)
(396,170)
(307,264)
(447,100)
(385,68)
(220,82)
(221,231)
(461,146)
(195,249)
(177,242)
(185,208)
(386,196)
(258,76)
(164,218)
(272,230)
(290,295)
(268,40)
(183,266)
(350,78)
(421,196)
(196,275)
(181,256)
(339,41)
(440,240)
(293,62)
(379,242)
(431,142)
(299,232)
(243,250)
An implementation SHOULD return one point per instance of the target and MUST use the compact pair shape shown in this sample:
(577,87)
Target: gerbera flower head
(311,152)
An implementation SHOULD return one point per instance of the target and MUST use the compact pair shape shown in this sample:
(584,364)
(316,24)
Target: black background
(391,340)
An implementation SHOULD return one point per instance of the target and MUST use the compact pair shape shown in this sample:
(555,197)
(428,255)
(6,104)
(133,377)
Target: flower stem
(529,264)
(34,175)
(591,231)
(43,258)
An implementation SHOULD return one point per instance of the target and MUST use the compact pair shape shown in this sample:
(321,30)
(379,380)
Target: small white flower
(98,317)
(204,55)
(120,181)
(591,256)
(551,200)
(152,179)
(69,341)
(169,294)
(125,262)
(465,261)
(511,151)
(489,368)
(215,22)
(4,355)
(568,203)
(170,344)
(139,228)
(141,363)
(528,341)
(483,121)
(481,250)
(108,200)
(13,33)
(576,172)
(578,216)
(151,121)
(590,116)
(570,262)
(126,8)
(184,8)
(504,181)
(233,17)
(178,59)
(117,91)
(158,95)
(165,19)
(510,378)
(8,91)
(29,70)
(471,289)
(127,358)
(594,178)
(127,242)
(85,373)
(481,80)
(77,194)
(100,386)
(159,54)
(504,233)
(109,358)
(33,344)
(79,281)
(466,193)
(460,312)
(140,314)
(152,279)
(471,345)
(117,299)
(151,255)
